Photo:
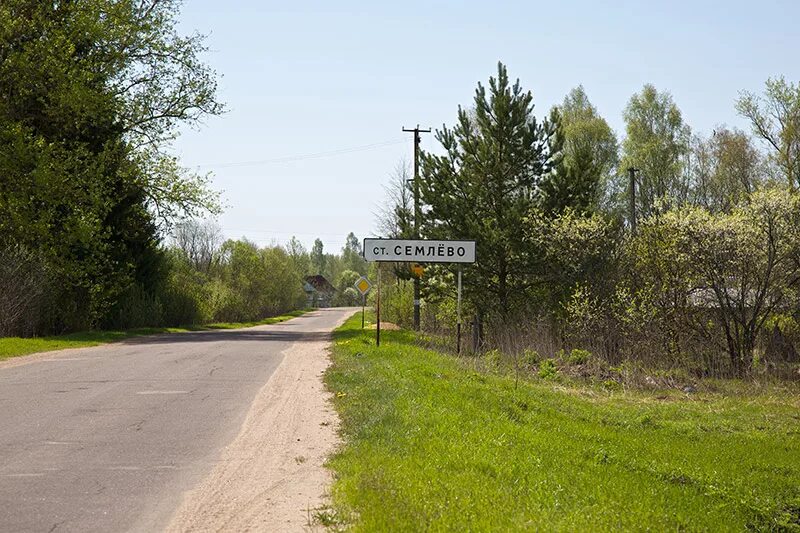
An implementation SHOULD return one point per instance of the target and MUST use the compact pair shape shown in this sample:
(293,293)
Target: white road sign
(419,251)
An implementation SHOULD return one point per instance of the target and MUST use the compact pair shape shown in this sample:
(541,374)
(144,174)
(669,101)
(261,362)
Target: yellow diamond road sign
(363,285)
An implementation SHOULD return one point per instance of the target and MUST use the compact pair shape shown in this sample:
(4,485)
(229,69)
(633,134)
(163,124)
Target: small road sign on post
(363,286)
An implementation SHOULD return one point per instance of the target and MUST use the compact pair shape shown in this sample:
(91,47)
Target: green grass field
(16,346)
(431,445)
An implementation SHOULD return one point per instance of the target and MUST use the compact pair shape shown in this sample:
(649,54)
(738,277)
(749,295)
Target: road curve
(110,438)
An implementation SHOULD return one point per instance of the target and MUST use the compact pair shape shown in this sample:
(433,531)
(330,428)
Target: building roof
(319,284)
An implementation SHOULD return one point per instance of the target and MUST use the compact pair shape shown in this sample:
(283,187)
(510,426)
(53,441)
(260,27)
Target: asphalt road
(109,438)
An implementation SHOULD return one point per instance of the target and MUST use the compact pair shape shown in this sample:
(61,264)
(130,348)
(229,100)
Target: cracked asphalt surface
(109,438)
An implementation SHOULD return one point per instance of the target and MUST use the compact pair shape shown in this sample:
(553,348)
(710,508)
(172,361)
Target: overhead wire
(317,155)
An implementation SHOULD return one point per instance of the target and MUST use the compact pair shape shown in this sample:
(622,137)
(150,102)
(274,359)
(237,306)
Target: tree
(91,94)
(775,118)
(299,256)
(484,185)
(734,269)
(579,250)
(352,257)
(657,144)
(727,169)
(583,181)
(346,293)
(318,258)
(396,217)
(199,241)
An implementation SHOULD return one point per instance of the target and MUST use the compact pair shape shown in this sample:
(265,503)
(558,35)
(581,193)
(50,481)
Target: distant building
(319,291)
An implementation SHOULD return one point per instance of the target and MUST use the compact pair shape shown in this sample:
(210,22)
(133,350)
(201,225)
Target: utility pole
(417,214)
(632,197)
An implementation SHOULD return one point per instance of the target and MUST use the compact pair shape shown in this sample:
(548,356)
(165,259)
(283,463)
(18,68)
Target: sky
(317,93)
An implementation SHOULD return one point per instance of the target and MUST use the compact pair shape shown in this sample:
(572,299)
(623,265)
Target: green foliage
(575,253)
(582,180)
(657,142)
(86,182)
(136,308)
(547,369)
(352,257)
(493,359)
(397,302)
(775,119)
(727,169)
(299,256)
(261,282)
(578,356)
(591,149)
(741,265)
(346,293)
(697,287)
(16,346)
(318,258)
(431,445)
(480,191)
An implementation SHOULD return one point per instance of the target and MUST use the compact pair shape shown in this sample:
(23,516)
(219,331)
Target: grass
(432,445)
(16,346)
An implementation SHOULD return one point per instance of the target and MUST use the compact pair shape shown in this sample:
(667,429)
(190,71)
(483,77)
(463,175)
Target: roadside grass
(16,346)
(431,444)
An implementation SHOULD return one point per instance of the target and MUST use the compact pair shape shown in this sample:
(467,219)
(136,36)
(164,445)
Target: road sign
(419,251)
(417,270)
(363,285)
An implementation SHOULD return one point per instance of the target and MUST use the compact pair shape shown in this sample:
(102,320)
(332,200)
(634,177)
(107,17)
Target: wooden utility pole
(632,197)
(417,215)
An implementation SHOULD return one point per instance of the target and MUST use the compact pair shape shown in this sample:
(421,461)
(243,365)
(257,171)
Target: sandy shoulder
(272,476)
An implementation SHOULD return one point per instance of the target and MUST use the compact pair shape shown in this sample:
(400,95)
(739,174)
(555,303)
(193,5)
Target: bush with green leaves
(578,357)
(547,369)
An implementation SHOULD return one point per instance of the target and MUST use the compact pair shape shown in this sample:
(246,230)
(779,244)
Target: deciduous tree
(775,118)
(657,143)
(583,181)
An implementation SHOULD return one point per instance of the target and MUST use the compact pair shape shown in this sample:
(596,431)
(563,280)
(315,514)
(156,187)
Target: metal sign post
(363,285)
(458,315)
(378,310)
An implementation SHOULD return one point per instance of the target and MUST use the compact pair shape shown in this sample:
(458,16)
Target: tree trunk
(733,353)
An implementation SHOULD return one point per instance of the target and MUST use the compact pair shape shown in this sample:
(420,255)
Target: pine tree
(485,185)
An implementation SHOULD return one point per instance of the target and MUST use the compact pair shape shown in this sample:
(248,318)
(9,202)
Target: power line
(279,232)
(293,158)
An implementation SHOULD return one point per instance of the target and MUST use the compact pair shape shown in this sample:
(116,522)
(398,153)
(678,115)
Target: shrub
(530,357)
(548,369)
(137,308)
(578,356)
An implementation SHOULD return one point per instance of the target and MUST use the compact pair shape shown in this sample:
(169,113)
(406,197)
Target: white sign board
(419,251)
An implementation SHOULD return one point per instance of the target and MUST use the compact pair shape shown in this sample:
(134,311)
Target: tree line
(92,94)
(669,248)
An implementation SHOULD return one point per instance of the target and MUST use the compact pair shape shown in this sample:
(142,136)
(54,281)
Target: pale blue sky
(315,77)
